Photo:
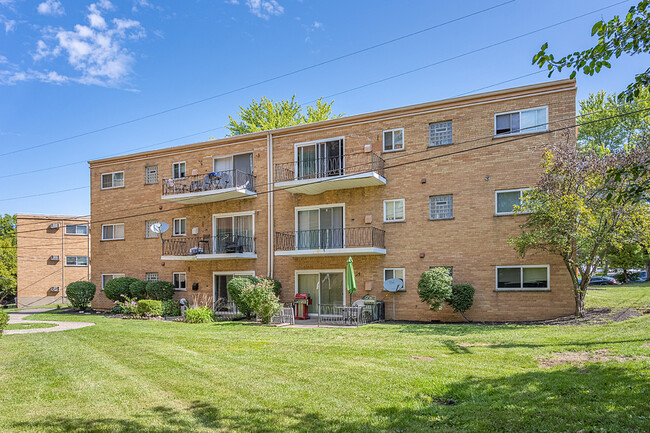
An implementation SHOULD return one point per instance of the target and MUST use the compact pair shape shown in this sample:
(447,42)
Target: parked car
(640,276)
(603,281)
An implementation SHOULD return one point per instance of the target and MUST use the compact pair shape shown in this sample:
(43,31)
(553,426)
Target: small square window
(151,276)
(178,170)
(147,229)
(393,140)
(151,174)
(179,227)
(108,277)
(441,207)
(440,133)
(390,273)
(394,210)
(179,280)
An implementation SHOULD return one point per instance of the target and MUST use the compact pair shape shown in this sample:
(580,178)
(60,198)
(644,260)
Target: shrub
(4,318)
(127,305)
(276,285)
(118,287)
(149,308)
(80,293)
(462,298)
(199,315)
(117,309)
(171,308)
(138,289)
(260,298)
(434,287)
(160,290)
(235,287)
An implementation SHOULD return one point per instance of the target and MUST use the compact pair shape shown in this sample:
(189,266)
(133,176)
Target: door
(307,156)
(220,287)
(243,168)
(331,227)
(325,288)
(332,157)
(307,236)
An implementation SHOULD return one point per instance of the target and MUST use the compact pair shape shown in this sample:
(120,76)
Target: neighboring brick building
(400,190)
(52,252)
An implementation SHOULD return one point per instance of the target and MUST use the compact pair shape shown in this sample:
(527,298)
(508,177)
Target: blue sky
(69,67)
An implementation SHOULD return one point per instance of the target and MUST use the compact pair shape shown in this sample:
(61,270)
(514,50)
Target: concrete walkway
(60,326)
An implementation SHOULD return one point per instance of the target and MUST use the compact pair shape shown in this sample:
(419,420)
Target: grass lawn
(148,376)
(28,326)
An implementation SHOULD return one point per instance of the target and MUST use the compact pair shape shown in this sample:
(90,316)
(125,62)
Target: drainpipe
(88,245)
(62,260)
(271,185)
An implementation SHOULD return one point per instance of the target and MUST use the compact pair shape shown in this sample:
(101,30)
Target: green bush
(462,298)
(80,293)
(4,318)
(149,308)
(171,308)
(277,286)
(160,290)
(235,287)
(199,315)
(434,287)
(117,309)
(115,288)
(126,305)
(138,289)
(260,298)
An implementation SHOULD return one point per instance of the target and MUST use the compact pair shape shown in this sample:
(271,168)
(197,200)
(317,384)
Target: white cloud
(264,8)
(232,2)
(51,7)
(10,25)
(317,25)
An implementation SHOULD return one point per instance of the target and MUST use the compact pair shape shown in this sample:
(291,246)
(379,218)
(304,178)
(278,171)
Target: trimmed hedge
(4,318)
(199,315)
(149,308)
(138,289)
(235,287)
(80,294)
(118,287)
(160,290)
(462,298)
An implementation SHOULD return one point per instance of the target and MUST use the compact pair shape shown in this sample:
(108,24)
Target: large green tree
(268,114)
(625,257)
(8,267)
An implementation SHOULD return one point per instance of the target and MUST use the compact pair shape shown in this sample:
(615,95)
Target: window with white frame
(523,121)
(76,260)
(76,229)
(441,207)
(505,201)
(112,232)
(147,229)
(178,170)
(522,277)
(398,273)
(394,210)
(151,174)
(179,227)
(178,278)
(113,180)
(108,277)
(393,140)
(151,276)
(440,133)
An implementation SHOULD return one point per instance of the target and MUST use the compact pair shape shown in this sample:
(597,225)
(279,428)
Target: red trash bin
(301,303)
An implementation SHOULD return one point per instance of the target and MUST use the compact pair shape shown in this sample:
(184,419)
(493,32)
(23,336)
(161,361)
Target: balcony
(222,246)
(212,187)
(349,241)
(355,170)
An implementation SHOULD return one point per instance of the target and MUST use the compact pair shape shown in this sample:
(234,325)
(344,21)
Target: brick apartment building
(399,190)
(52,252)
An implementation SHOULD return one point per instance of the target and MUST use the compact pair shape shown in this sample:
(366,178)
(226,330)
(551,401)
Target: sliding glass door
(320,228)
(320,160)
(325,288)
(233,234)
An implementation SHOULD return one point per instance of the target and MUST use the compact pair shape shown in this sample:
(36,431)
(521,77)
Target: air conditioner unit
(54,225)
(54,289)
(54,258)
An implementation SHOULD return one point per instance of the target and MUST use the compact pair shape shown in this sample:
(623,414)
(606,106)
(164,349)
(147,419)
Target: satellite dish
(393,285)
(159,227)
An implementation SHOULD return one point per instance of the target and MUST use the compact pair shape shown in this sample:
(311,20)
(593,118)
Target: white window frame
(383,276)
(496,204)
(520,132)
(438,123)
(521,279)
(146,174)
(111,275)
(396,220)
(231,215)
(184,171)
(114,238)
(174,282)
(112,173)
(299,208)
(174,227)
(321,271)
(297,146)
(76,264)
(76,226)
(383,138)
(148,274)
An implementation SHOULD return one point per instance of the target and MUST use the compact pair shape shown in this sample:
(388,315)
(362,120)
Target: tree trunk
(626,279)
(579,291)
(647,271)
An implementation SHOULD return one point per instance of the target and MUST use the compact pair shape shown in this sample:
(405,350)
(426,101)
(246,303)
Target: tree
(267,114)
(629,35)
(625,257)
(568,213)
(435,287)
(8,262)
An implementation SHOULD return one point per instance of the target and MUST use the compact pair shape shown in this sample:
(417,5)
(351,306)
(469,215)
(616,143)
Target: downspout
(88,244)
(270,181)
(62,260)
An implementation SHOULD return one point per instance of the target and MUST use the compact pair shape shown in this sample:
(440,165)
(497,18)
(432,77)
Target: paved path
(60,326)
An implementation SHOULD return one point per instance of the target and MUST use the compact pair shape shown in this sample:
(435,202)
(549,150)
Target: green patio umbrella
(350,282)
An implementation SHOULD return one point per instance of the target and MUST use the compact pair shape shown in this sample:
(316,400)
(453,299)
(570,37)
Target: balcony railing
(215,181)
(349,237)
(345,165)
(223,243)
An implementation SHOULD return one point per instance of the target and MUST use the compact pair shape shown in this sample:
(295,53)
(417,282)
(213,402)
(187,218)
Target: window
(76,260)
(112,232)
(441,207)
(320,227)
(393,140)
(178,170)
(234,233)
(151,174)
(179,226)
(523,121)
(395,273)
(522,277)
(151,276)
(178,279)
(76,229)
(394,210)
(440,133)
(108,277)
(113,180)
(505,201)
(147,229)
(320,159)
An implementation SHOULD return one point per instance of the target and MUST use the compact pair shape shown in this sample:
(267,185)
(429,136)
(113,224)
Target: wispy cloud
(51,7)
(264,8)
(9,25)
